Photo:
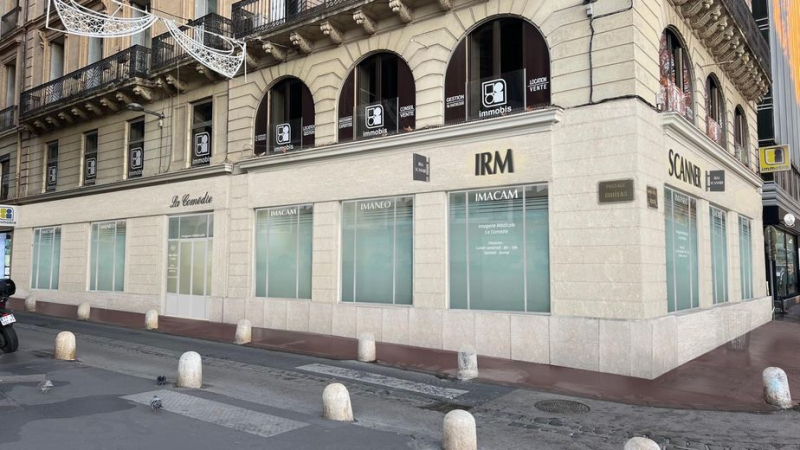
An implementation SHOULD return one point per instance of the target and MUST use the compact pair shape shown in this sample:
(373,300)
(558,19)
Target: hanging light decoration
(78,19)
(226,60)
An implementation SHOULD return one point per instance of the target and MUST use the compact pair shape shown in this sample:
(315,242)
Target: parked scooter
(8,337)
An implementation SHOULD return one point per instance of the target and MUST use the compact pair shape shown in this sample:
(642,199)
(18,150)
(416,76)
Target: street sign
(774,159)
(422,168)
(715,181)
(615,191)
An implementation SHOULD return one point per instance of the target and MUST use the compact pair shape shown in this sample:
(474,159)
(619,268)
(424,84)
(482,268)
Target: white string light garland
(82,21)
(225,61)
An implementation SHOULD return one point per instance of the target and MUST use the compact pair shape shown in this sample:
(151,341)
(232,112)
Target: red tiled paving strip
(723,379)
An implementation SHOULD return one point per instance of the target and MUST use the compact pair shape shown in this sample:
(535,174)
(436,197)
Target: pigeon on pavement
(161,380)
(155,403)
(45,386)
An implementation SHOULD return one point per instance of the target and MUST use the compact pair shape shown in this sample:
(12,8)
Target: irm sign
(488,163)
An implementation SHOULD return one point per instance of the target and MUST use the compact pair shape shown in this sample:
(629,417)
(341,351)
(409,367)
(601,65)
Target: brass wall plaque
(615,191)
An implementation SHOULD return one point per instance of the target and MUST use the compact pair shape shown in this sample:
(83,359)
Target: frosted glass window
(746,256)
(283,252)
(377,250)
(683,289)
(107,267)
(499,249)
(46,255)
(719,255)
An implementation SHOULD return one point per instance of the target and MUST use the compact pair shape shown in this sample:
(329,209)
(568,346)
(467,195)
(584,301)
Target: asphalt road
(253,398)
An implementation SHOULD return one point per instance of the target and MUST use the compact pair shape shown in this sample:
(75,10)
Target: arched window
(502,67)
(285,118)
(740,137)
(378,98)
(715,111)
(676,76)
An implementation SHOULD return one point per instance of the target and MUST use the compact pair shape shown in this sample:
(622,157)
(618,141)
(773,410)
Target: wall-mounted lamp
(140,108)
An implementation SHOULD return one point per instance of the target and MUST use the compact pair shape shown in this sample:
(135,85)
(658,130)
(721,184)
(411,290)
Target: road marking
(229,416)
(367,377)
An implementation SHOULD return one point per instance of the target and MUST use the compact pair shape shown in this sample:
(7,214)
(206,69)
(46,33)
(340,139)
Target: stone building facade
(538,179)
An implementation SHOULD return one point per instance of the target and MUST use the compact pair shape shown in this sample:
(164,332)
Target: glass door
(189,251)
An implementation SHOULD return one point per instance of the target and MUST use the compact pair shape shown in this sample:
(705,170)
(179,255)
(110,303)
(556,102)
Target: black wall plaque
(715,180)
(652,197)
(615,191)
(422,168)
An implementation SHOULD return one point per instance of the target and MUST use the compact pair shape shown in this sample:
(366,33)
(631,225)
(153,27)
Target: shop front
(780,248)
(486,234)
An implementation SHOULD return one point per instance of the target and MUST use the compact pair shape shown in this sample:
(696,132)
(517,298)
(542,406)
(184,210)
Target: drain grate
(561,407)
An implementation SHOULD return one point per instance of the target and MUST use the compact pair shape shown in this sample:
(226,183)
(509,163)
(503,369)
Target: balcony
(97,88)
(9,22)
(168,55)
(280,25)
(257,16)
(8,118)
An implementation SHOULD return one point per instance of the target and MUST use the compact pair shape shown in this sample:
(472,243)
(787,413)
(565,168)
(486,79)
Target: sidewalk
(723,379)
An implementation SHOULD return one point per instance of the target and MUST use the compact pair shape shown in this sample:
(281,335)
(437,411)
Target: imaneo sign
(684,170)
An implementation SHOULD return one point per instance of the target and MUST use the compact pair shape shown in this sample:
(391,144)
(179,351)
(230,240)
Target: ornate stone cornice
(729,32)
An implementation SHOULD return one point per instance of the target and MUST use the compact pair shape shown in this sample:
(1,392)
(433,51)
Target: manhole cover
(561,407)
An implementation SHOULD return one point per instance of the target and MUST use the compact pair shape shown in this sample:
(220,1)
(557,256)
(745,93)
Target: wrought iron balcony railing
(114,70)
(167,52)
(256,16)
(9,22)
(8,118)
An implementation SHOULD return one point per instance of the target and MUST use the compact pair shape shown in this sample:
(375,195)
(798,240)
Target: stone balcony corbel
(714,29)
(402,10)
(445,5)
(174,82)
(123,98)
(706,18)
(205,71)
(366,22)
(78,112)
(300,42)
(274,50)
(91,107)
(143,92)
(110,104)
(62,116)
(717,37)
(333,32)
(695,7)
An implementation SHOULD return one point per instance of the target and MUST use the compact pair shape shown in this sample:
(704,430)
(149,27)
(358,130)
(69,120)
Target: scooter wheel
(8,340)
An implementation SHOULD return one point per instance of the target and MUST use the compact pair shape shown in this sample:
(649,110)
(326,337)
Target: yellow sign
(774,159)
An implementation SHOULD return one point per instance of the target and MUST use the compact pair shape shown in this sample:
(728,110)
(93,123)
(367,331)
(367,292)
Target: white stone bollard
(244,332)
(30,304)
(459,431)
(190,371)
(336,403)
(640,443)
(776,388)
(467,363)
(84,310)
(366,347)
(151,319)
(65,347)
